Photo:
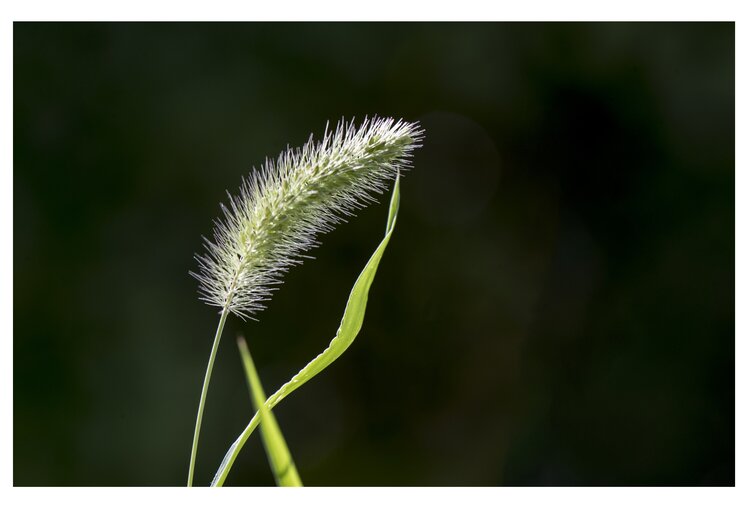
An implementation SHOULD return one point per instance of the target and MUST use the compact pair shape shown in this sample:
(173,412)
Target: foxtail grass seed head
(282,207)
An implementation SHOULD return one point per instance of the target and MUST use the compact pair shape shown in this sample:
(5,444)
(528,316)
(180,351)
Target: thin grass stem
(204,393)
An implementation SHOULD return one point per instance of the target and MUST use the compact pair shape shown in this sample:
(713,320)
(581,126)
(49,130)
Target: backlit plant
(265,229)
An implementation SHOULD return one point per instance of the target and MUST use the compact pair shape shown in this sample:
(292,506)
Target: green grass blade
(279,457)
(353,317)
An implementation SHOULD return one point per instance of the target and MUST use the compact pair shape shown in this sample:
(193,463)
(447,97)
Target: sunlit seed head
(282,207)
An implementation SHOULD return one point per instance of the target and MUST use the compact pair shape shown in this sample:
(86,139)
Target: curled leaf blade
(351,322)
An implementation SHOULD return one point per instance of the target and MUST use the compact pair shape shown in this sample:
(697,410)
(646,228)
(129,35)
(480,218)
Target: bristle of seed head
(280,208)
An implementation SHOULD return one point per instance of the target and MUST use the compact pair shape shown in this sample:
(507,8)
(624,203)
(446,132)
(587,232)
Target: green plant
(276,449)
(277,216)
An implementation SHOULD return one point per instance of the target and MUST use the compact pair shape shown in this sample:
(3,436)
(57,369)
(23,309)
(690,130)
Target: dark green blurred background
(556,305)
